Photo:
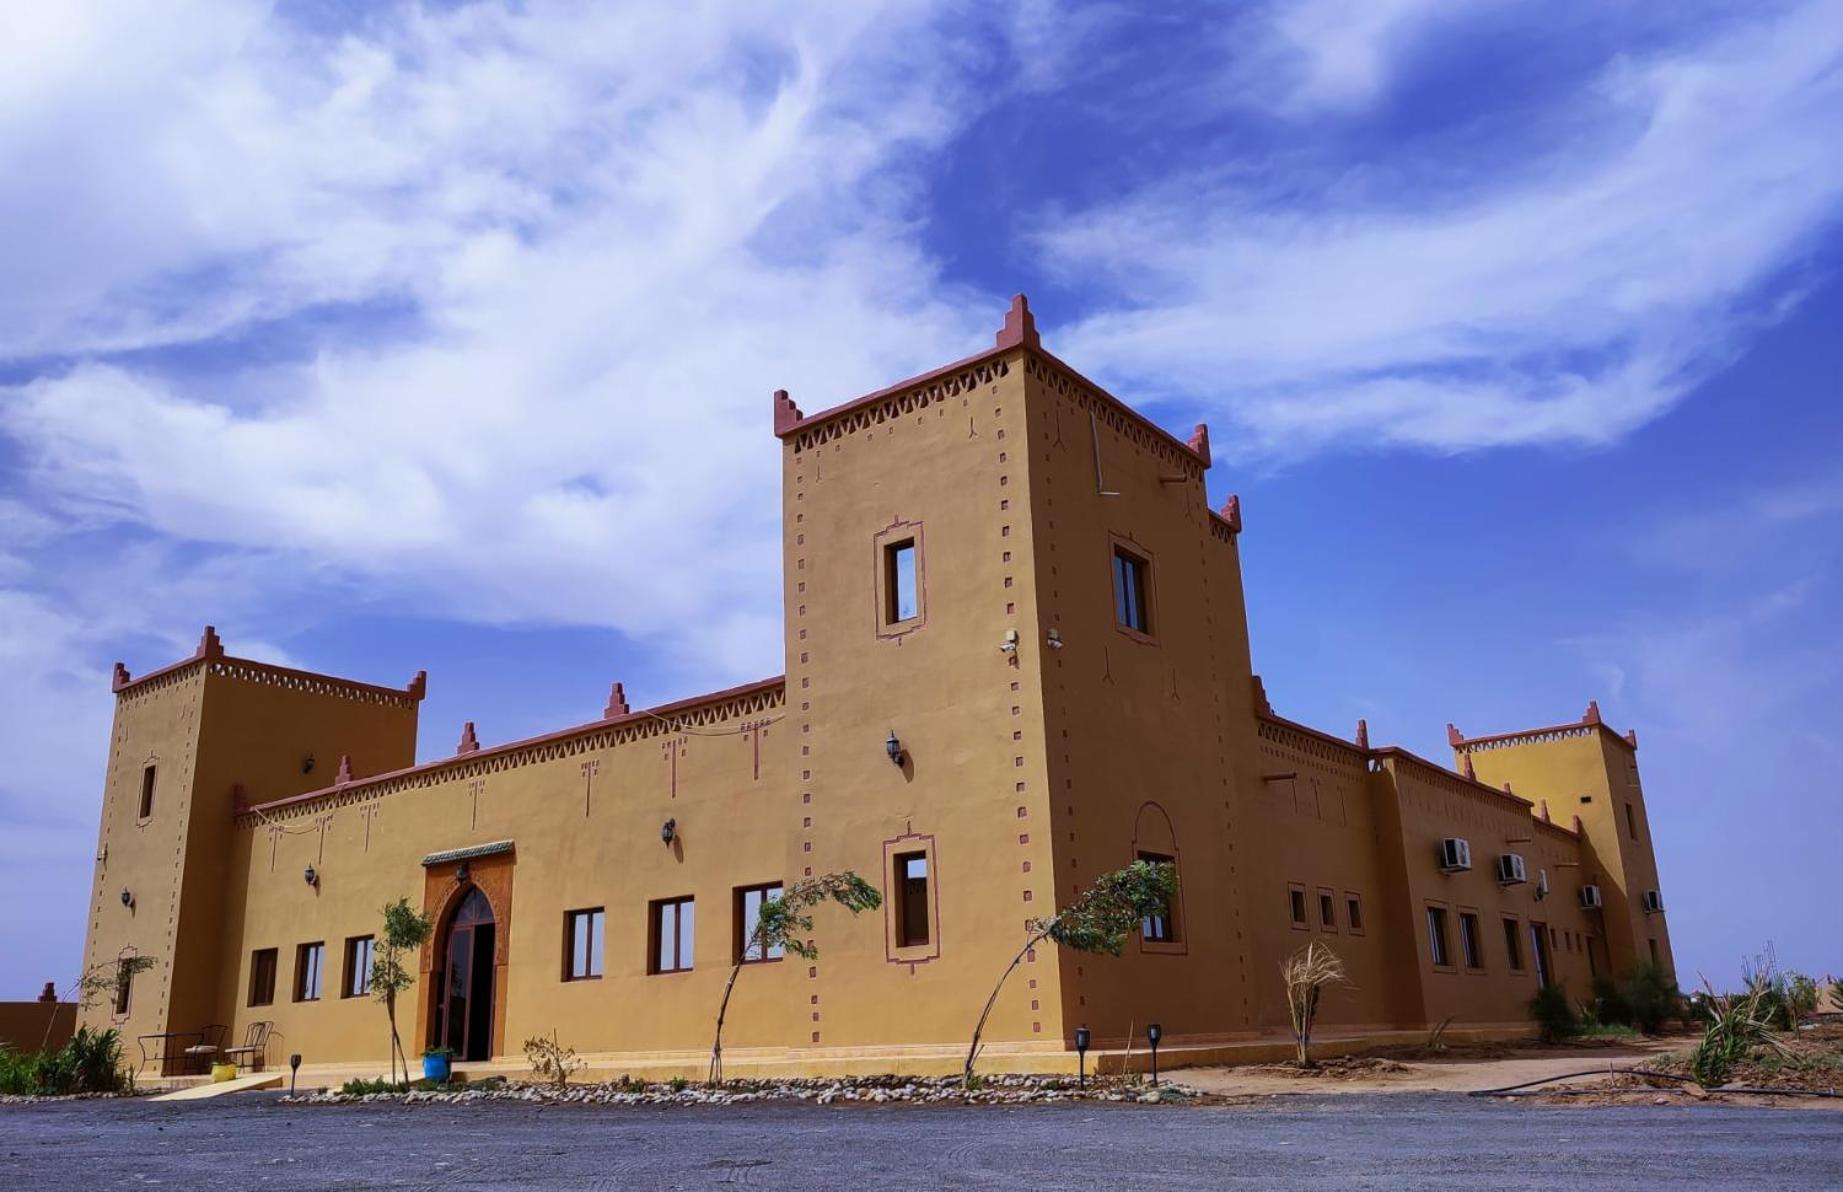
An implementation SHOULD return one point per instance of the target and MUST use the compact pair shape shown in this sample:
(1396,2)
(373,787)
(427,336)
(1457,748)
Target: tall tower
(1588,769)
(189,741)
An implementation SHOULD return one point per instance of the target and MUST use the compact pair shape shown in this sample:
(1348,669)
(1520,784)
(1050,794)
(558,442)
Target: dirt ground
(1466,1068)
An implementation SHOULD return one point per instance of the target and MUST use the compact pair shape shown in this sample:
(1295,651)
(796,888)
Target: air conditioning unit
(1455,855)
(1542,884)
(1590,898)
(1653,902)
(1510,870)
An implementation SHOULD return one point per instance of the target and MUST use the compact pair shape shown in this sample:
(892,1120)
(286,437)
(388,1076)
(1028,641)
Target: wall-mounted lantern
(312,877)
(893,747)
(1153,1034)
(668,832)
(307,764)
(127,898)
(1082,1039)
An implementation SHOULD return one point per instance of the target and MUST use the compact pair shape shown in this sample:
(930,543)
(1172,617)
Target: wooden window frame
(1476,951)
(1438,923)
(1327,902)
(361,987)
(124,986)
(1173,940)
(655,922)
(1513,943)
(598,962)
(316,970)
(894,951)
(150,779)
(740,932)
(265,989)
(1297,907)
(887,542)
(1353,912)
(1121,548)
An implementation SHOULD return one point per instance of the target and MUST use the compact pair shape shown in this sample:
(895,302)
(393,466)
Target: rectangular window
(1296,897)
(1470,941)
(900,599)
(582,944)
(674,931)
(1539,951)
(1513,945)
(262,977)
(358,967)
(912,909)
(1353,913)
(147,793)
(1593,965)
(1653,951)
(1327,911)
(1160,928)
(1436,937)
(309,961)
(749,903)
(1129,591)
(1631,822)
(124,985)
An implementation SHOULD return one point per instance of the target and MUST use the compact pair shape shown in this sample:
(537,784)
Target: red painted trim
(665,710)
(1307,729)
(1459,740)
(415,690)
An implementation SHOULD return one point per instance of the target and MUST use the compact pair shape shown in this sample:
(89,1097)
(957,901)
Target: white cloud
(1568,301)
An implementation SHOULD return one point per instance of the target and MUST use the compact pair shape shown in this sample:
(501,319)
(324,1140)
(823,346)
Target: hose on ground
(1516,1090)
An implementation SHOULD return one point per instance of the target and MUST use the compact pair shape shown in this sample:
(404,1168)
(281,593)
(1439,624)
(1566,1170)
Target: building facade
(1017,657)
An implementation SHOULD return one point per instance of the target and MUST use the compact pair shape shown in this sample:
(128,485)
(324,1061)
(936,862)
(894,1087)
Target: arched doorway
(462,1014)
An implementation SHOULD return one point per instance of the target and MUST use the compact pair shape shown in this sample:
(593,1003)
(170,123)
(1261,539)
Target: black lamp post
(294,1070)
(1082,1039)
(1153,1034)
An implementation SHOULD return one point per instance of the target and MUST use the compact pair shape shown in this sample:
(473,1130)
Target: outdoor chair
(202,1053)
(255,1050)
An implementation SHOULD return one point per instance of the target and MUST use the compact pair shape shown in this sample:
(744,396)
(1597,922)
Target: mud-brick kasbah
(1017,657)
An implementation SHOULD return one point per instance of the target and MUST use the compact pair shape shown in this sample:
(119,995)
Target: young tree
(99,981)
(1306,973)
(405,930)
(776,927)
(1099,920)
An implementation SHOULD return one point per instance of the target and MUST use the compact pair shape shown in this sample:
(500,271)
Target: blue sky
(391,337)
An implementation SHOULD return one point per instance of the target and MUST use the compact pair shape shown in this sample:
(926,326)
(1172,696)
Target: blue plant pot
(436,1068)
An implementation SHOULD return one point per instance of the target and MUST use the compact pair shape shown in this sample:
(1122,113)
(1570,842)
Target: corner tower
(1586,769)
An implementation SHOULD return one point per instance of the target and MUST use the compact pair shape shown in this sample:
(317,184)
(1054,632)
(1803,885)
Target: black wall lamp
(1153,1034)
(1082,1039)
(893,747)
(668,831)
(127,898)
(307,764)
(312,877)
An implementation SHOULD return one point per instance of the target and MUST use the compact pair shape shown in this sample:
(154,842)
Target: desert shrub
(91,1062)
(1305,974)
(1737,1024)
(1801,995)
(1651,998)
(1553,1013)
(552,1061)
(1836,993)
(1610,1005)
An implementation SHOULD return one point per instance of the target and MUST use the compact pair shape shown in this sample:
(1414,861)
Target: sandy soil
(1463,1069)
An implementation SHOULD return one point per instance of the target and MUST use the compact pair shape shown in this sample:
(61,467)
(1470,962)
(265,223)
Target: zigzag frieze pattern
(1556,734)
(908,401)
(173,678)
(1113,416)
(1336,758)
(1220,529)
(314,684)
(1453,784)
(644,727)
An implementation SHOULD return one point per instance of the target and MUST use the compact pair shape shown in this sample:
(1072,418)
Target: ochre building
(1017,657)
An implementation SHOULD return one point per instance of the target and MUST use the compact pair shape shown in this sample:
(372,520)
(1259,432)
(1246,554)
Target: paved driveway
(1402,1138)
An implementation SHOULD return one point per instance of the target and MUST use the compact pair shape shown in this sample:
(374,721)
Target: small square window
(583,935)
(674,930)
(358,966)
(1436,937)
(1327,911)
(749,903)
(1131,591)
(1296,899)
(262,977)
(912,909)
(1353,913)
(309,964)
